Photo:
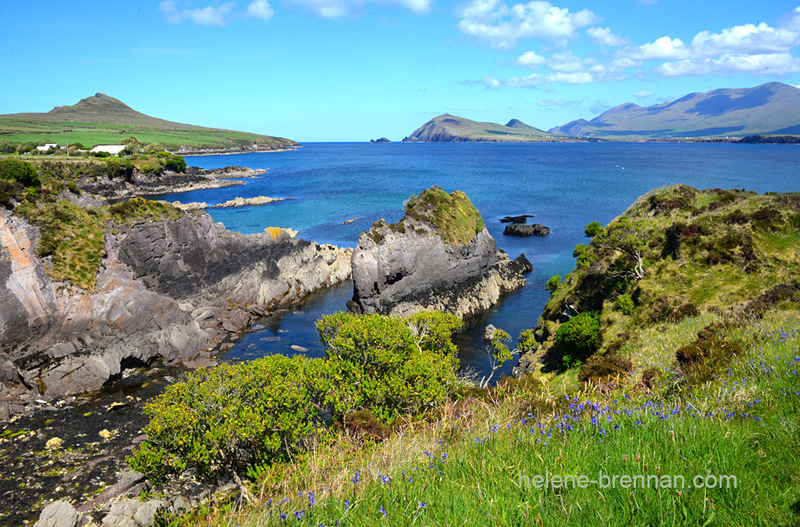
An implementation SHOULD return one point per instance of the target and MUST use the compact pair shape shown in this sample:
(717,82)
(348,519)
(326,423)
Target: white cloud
(342,8)
(566,62)
(491,83)
(529,59)
(643,94)
(260,9)
(503,27)
(205,16)
(602,36)
(749,48)
(730,63)
(549,103)
(538,79)
(661,48)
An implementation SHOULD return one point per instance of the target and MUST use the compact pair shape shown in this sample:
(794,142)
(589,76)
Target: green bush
(577,336)
(221,420)
(526,341)
(389,366)
(7,147)
(175,163)
(19,171)
(579,250)
(625,304)
(592,229)
(553,283)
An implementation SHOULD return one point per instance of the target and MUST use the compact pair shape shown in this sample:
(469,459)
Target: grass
(91,134)
(453,215)
(477,461)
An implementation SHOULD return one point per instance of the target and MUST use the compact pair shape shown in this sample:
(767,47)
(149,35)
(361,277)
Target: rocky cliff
(439,256)
(166,291)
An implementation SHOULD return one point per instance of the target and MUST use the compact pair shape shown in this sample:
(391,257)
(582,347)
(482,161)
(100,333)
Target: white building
(111,149)
(46,147)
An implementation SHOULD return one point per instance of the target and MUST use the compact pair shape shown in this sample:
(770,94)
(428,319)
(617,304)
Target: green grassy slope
(105,120)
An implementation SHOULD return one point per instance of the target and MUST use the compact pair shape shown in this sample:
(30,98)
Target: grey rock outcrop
(166,291)
(520,229)
(408,267)
(58,514)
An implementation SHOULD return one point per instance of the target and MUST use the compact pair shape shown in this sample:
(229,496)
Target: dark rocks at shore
(165,182)
(522,219)
(381,140)
(518,229)
(408,267)
(167,291)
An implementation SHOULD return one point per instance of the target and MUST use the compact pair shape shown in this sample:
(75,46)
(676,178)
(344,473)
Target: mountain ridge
(771,108)
(447,128)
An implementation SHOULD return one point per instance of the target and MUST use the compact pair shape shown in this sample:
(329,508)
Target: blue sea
(565,186)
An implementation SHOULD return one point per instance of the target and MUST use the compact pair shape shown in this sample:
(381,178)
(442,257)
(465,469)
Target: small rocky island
(438,256)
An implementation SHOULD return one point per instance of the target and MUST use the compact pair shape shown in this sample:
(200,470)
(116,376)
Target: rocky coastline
(411,266)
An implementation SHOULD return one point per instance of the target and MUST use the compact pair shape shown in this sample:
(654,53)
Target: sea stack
(439,256)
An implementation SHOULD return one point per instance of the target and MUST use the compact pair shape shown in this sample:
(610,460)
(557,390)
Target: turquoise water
(565,186)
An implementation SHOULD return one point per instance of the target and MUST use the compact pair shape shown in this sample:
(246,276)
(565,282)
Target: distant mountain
(100,108)
(101,118)
(450,128)
(772,108)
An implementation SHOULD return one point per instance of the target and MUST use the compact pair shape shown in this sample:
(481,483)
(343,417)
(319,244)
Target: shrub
(579,250)
(600,367)
(577,336)
(19,171)
(221,420)
(625,303)
(553,283)
(389,366)
(526,341)
(592,229)
(702,359)
(7,147)
(175,163)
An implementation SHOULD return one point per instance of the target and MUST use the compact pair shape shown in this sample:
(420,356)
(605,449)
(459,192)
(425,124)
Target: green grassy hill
(101,119)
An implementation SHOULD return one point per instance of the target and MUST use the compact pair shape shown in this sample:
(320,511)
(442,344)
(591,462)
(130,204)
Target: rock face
(520,229)
(419,263)
(166,291)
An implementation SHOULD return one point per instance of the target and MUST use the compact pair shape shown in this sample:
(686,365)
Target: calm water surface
(565,186)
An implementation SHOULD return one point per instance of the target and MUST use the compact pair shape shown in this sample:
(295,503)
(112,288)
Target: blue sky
(352,70)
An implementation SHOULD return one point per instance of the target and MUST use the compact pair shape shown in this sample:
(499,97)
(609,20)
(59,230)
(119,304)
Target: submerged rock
(438,257)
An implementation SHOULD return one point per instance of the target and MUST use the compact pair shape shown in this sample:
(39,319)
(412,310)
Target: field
(22,131)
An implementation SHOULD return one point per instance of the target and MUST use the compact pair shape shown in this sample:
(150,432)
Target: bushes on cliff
(221,420)
(226,419)
(389,366)
(15,170)
(577,336)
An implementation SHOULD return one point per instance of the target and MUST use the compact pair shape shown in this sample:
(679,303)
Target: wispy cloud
(643,94)
(603,36)
(502,27)
(343,8)
(179,12)
(260,9)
